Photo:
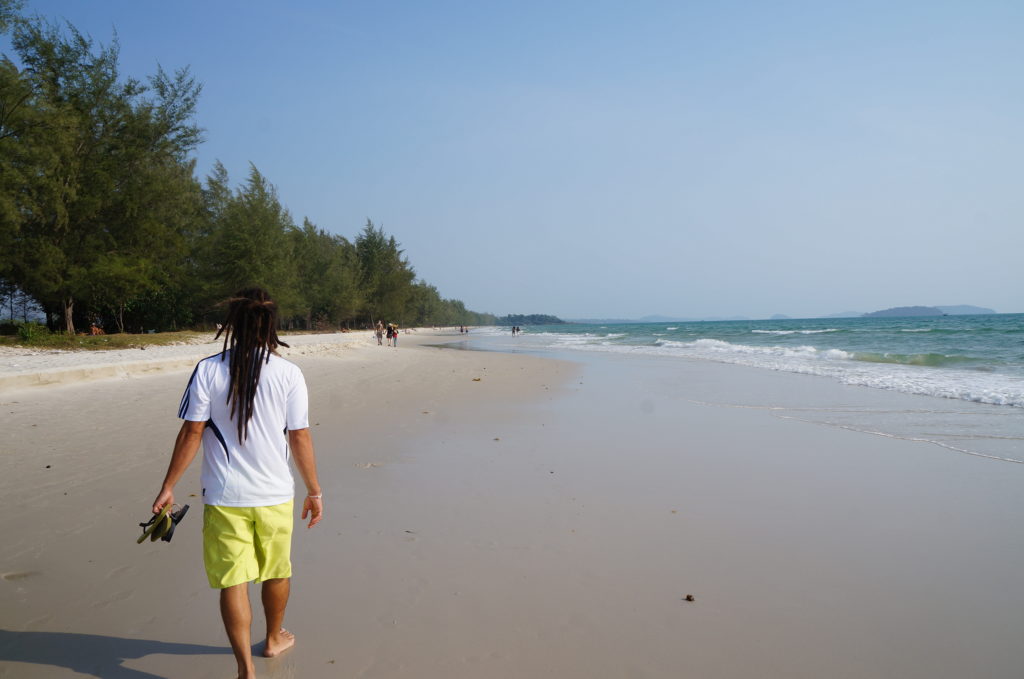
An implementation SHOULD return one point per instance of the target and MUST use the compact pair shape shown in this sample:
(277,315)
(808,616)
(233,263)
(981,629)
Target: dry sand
(505,516)
(45,367)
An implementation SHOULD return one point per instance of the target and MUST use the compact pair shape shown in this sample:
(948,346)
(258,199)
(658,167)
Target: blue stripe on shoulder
(186,397)
(183,406)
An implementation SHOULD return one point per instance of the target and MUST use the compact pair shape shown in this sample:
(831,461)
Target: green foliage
(31,332)
(44,339)
(248,245)
(100,162)
(386,276)
(327,274)
(529,319)
(102,219)
(10,12)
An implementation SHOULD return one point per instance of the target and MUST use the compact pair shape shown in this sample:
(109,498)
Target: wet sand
(493,515)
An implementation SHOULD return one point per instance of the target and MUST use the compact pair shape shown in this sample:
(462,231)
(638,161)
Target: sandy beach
(493,515)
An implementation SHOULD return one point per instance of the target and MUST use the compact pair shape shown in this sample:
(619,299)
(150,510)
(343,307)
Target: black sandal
(161,526)
(176,518)
(156,521)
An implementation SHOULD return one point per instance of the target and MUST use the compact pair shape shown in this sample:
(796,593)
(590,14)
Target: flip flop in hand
(161,526)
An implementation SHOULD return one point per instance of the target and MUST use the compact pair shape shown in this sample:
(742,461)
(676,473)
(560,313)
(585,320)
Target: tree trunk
(69,307)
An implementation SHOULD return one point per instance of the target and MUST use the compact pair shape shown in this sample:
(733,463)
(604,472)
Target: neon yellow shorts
(242,544)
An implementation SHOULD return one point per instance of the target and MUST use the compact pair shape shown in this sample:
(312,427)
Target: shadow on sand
(91,654)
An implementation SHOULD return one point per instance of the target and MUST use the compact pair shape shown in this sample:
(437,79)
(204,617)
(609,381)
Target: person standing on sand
(249,408)
(380,333)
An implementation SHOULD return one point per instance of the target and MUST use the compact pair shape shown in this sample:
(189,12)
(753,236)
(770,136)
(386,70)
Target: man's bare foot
(278,643)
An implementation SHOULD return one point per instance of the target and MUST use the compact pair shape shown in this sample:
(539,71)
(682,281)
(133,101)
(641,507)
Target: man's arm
(305,461)
(185,448)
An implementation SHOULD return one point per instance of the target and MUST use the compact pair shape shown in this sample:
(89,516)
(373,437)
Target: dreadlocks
(250,332)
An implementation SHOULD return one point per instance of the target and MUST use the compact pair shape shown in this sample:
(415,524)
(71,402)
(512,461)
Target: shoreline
(548,519)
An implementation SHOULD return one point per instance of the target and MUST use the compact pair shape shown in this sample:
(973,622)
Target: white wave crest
(794,332)
(996,389)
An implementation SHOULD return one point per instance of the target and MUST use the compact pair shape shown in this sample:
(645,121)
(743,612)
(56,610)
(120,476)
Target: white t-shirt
(253,473)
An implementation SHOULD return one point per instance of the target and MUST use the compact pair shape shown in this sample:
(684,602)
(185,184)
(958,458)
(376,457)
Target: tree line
(528,319)
(102,217)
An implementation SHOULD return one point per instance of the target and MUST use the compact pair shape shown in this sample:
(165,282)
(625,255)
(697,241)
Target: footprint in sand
(19,575)
(41,620)
(119,570)
(117,596)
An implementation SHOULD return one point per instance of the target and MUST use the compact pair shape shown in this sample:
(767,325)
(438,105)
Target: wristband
(316,497)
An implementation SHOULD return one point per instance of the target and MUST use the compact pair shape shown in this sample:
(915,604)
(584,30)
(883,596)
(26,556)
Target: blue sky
(619,159)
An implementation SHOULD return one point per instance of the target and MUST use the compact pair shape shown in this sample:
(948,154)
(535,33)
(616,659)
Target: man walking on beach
(249,407)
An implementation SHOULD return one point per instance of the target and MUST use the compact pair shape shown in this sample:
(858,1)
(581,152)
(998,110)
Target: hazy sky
(619,159)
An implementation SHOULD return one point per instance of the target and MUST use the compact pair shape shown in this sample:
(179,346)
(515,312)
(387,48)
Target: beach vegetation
(387,276)
(31,331)
(529,319)
(104,223)
(38,336)
(94,159)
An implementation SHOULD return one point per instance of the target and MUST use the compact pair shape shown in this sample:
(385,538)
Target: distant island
(966,310)
(906,311)
(528,319)
(946,310)
(958,310)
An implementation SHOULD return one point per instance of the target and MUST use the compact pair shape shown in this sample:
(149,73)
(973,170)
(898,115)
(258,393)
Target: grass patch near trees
(36,336)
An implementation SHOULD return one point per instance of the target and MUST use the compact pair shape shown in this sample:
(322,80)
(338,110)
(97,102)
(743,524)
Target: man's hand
(301,444)
(166,497)
(313,507)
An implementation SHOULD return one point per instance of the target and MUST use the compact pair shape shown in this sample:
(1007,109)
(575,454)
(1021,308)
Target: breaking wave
(961,376)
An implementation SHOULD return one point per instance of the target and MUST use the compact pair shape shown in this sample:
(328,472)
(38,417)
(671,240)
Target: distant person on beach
(390,333)
(394,336)
(380,333)
(249,408)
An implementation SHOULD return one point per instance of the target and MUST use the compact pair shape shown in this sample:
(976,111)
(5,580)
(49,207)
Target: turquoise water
(972,358)
(974,364)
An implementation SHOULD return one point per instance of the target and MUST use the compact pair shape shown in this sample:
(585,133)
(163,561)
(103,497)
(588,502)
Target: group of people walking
(390,333)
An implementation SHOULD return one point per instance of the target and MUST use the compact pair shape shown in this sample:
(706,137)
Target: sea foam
(908,374)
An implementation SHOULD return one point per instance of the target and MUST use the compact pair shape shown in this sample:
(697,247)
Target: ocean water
(974,361)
